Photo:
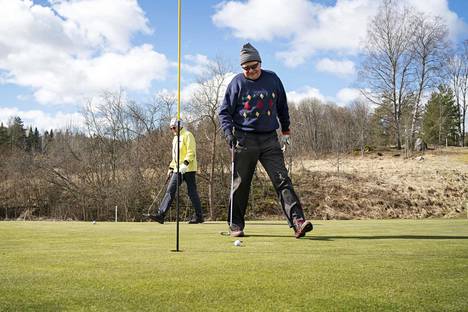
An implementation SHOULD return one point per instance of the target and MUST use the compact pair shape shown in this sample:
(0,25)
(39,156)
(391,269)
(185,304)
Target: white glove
(169,172)
(285,140)
(183,168)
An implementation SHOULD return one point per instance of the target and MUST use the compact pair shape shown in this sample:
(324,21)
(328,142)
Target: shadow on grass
(267,235)
(428,237)
(226,233)
(249,223)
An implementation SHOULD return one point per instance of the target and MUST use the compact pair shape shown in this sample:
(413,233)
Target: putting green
(365,265)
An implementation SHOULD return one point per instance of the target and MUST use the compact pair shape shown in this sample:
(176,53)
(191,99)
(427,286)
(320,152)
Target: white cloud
(108,23)
(197,64)
(346,95)
(309,27)
(263,19)
(306,92)
(41,120)
(440,8)
(188,91)
(84,50)
(336,67)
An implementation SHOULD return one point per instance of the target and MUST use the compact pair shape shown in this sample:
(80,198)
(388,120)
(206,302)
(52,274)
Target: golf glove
(169,172)
(285,140)
(183,169)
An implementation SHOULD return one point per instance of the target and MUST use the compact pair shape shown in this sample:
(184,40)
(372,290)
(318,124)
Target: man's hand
(170,171)
(183,168)
(231,140)
(285,140)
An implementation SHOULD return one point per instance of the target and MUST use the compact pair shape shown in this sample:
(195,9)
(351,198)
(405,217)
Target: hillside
(385,186)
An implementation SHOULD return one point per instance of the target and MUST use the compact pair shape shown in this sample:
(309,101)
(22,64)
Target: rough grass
(385,186)
(359,265)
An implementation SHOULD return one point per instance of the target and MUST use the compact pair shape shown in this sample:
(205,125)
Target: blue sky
(56,55)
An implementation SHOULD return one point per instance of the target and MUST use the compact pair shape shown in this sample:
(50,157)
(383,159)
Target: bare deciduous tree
(428,47)
(464,91)
(205,104)
(360,113)
(387,67)
(457,74)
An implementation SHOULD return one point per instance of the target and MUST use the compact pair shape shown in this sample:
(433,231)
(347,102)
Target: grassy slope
(385,186)
(367,265)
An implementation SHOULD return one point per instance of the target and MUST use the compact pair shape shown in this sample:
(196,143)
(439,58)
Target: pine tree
(4,137)
(29,140)
(17,133)
(37,141)
(382,131)
(440,118)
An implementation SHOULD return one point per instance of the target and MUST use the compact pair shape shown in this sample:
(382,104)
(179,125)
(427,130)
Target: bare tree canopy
(404,59)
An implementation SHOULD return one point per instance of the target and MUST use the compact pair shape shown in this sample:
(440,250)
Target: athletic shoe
(302,227)
(157,217)
(195,220)
(239,233)
(236,231)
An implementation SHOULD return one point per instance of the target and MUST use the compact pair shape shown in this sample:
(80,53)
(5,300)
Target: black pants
(265,148)
(189,178)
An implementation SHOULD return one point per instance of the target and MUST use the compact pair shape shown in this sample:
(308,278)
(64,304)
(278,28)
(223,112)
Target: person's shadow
(427,237)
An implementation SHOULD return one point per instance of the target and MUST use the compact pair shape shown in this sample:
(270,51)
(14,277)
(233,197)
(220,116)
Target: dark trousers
(189,178)
(265,148)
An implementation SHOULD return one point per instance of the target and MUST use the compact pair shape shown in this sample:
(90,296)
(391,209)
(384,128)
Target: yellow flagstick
(178,123)
(178,61)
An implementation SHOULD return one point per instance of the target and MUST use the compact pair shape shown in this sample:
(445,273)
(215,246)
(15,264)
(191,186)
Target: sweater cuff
(286,132)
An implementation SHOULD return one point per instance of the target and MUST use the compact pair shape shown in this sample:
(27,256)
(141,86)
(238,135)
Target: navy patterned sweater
(255,105)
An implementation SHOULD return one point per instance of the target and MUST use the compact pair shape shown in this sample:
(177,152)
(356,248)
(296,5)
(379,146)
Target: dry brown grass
(386,186)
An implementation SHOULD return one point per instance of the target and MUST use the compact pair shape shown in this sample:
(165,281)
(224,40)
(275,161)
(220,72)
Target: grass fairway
(371,265)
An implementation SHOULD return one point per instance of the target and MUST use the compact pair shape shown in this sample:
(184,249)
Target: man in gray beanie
(253,104)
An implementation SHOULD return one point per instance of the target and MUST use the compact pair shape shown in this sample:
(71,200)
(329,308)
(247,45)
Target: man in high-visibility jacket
(187,173)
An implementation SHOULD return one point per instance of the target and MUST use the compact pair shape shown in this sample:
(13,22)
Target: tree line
(408,55)
(414,86)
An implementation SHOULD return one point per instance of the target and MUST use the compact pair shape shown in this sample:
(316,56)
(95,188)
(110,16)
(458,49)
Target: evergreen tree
(382,133)
(37,141)
(29,140)
(17,133)
(4,137)
(440,118)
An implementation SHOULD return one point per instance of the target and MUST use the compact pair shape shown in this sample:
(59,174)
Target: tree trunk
(212,174)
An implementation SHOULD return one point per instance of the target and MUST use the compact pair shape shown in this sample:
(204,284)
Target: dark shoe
(157,217)
(301,227)
(195,220)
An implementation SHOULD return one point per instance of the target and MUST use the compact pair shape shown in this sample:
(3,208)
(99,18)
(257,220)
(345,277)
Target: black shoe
(158,217)
(195,220)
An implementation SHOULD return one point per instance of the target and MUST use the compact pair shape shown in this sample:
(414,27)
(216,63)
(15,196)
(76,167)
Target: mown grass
(368,265)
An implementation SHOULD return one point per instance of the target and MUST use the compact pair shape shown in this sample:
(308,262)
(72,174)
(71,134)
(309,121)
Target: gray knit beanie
(248,53)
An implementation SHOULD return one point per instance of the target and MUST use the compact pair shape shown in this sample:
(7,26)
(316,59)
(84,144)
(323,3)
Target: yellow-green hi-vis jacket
(188,151)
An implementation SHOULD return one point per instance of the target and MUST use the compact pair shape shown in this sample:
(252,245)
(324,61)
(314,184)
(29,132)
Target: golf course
(355,265)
